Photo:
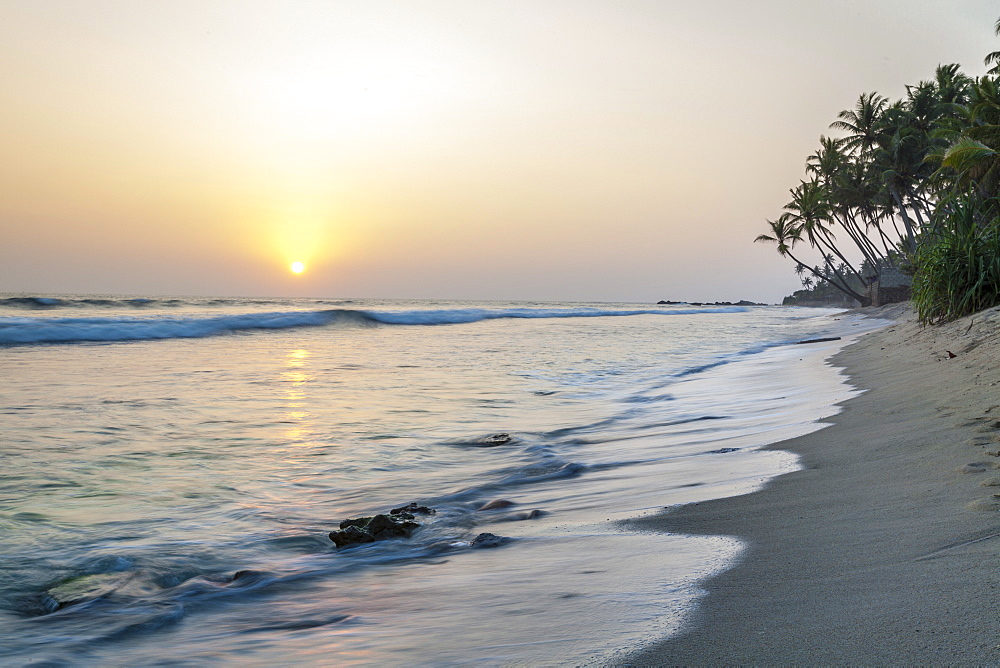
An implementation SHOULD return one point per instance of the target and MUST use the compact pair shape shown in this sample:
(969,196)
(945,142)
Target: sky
(624,150)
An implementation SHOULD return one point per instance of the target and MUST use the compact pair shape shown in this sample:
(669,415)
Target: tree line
(911,185)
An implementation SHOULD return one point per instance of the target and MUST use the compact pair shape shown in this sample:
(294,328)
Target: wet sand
(885,548)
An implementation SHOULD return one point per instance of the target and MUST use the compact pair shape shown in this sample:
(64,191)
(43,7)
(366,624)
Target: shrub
(958,261)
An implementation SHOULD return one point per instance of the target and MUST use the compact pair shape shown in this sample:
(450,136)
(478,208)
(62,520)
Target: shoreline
(884,547)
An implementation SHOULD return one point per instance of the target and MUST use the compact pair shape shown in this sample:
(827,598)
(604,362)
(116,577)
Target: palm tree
(953,87)
(786,233)
(994,57)
(974,157)
(862,123)
(810,210)
(896,172)
(901,162)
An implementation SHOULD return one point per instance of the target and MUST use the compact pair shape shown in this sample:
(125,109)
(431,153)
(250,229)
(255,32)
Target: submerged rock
(494,440)
(487,540)
(249,576)
(83,588)
(517,517)
(496,504)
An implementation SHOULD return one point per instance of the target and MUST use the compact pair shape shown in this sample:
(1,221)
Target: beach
(883,548)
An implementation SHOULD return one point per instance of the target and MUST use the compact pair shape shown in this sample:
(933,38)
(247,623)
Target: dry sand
(885,548)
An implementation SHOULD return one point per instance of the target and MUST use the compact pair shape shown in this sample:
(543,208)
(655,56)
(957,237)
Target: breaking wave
(27,330)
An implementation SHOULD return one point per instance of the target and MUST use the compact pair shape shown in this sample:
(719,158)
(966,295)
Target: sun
(297,267)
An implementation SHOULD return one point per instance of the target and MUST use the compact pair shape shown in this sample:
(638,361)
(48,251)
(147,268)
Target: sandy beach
(884,548)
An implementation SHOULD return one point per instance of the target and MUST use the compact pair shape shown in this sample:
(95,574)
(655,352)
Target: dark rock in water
(494,440)
(385,526)
(486,540)
(496,504)
(722,451)
(412,508)
(397,523)
(352,535)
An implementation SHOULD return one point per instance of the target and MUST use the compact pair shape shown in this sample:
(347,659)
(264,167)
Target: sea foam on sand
(884,548)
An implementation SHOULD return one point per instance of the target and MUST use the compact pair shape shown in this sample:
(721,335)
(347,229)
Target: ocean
(171,469)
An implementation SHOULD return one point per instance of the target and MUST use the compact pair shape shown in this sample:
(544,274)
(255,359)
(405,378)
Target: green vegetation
(958,262)
(911,185)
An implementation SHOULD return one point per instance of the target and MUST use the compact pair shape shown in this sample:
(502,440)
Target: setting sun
(298,267)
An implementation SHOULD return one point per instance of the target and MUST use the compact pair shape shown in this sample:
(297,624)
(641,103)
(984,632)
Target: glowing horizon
(627,151)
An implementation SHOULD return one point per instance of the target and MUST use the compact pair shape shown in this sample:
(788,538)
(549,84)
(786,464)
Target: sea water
(151,449)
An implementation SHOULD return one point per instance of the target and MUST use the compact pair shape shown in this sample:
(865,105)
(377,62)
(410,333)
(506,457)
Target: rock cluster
(396,523)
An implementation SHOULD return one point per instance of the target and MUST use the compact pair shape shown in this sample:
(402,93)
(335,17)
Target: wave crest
(28,330)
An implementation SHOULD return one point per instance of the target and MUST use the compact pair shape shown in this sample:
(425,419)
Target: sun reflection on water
(296,376)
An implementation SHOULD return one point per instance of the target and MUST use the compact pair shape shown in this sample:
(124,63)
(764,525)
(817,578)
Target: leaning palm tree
(787,233)
(810,210)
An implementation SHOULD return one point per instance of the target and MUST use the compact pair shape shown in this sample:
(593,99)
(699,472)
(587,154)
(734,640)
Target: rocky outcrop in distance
(742,302)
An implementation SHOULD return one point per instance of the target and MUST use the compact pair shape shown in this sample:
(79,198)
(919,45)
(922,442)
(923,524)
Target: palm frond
(966,153)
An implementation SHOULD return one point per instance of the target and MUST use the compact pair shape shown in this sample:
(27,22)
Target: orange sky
(510,150)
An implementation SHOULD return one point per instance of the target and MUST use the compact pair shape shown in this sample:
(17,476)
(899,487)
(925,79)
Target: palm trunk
(911,242)
(868,249)
(836,251)
(862,299)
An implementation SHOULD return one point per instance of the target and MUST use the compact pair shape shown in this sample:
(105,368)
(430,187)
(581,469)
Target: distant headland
(742,302)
